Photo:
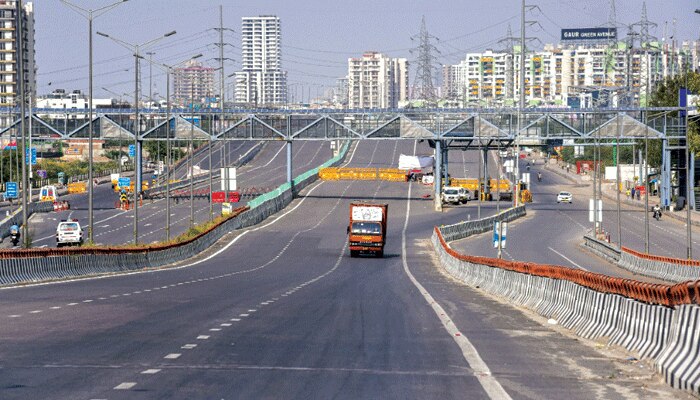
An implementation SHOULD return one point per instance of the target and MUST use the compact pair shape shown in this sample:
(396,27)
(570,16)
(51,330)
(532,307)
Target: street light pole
(168,147)
(135,48)
(90,14)
(191,152)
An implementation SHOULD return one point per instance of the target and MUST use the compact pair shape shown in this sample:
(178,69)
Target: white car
(69,232)
(454,194)
(565,197)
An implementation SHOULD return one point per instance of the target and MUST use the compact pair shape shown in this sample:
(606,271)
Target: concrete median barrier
(659,267)
(656,322)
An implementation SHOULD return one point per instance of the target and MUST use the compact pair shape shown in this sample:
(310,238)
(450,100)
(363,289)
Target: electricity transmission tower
(423,87)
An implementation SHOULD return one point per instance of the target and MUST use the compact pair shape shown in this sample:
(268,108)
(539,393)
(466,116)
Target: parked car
(455,195)
(565,197)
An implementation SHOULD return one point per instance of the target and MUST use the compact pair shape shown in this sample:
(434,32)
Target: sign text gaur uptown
(589,34)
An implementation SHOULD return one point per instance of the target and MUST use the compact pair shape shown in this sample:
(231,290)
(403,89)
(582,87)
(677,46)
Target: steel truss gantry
(538,125)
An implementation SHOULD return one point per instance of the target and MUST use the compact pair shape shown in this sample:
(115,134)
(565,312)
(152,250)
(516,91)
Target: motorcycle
(657,214)
(539,177)
(14,237)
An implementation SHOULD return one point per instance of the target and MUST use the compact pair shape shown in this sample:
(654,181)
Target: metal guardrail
(603,249)
(658,322)
(465,229)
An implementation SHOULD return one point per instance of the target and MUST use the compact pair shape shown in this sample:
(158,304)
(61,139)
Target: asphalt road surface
(281,311)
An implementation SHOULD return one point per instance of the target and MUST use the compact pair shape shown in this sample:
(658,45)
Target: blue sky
(317,36)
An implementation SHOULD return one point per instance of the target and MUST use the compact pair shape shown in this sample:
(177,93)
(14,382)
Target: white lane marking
(55,308)
(567,259)
(252,310)
(244,315)
(87,301)
(481,371)
(225,324)
(189,346)
(172,356)
(125,386)
(150,371)
(35,312)
(235,319)
(74,304)
(214,329)
(14,316)
(202,337)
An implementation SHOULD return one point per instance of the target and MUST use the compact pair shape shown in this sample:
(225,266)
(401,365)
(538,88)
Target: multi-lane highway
(113,226)
(281,311)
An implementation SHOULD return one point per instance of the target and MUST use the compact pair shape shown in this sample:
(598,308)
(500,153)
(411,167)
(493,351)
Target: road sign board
(228,179)
(132,150)
(499,231)
(218,197)
(591,210)
(11,190)
(124,182)
(30,157)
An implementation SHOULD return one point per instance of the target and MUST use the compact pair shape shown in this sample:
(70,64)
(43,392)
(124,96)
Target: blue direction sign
(132,150)
(31,158)
(124,182)
(11,190)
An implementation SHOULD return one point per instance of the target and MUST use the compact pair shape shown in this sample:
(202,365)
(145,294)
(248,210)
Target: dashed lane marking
(125,386)
(189,346)
(203,337)
(172,356)
(150,371)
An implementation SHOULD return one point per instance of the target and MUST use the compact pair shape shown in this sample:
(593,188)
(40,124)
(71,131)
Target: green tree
(666,95)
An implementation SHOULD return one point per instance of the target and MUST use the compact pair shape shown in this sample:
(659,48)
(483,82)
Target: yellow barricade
(473,184)
(362,174)
(77,187)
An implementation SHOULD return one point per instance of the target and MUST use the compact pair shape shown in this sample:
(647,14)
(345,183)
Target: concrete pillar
(438,174)
(139,166)
(665,184)
(290,177)
(485,174)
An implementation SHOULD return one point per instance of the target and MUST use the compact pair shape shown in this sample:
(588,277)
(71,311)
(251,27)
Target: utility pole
(21,92)
(222,98)
(150,75)
(423,87)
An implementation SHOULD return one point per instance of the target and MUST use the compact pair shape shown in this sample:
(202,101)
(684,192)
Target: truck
(367,228)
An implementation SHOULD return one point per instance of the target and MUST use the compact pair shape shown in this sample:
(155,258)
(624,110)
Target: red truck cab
(367,228)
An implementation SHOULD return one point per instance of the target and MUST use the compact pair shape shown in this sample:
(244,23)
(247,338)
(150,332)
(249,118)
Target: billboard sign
(589,34)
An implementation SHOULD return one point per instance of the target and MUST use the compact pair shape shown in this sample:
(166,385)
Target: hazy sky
(317,35)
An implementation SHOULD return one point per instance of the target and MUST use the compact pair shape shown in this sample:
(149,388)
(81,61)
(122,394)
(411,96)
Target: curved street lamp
(136,48)
(90,14)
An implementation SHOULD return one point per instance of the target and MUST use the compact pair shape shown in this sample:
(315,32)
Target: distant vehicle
(367,228)
(14,234)
(455,195)
(48,193)
(565,197)
(69,232)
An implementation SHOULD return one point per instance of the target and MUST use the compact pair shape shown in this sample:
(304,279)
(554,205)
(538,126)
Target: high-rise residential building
(377,81)
(556,73)
(8,52)
(193,84)
(261,81)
